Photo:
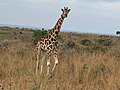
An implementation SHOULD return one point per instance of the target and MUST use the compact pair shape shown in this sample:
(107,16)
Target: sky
(89,16)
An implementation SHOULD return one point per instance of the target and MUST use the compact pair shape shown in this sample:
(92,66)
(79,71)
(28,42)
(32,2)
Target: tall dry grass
(77,70)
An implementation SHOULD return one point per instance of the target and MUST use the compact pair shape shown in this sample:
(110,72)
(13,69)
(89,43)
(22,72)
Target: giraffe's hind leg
(38,58)
(56,60)
(48,62)
(55,64)
(48,68)
(42,61)
(48,65)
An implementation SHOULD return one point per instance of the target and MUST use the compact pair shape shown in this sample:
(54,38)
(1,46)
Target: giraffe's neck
(56,28)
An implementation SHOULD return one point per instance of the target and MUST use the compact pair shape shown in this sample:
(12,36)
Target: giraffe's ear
(69,10)
(62,10)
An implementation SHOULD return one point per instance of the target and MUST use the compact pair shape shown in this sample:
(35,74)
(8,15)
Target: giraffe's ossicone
(48,45)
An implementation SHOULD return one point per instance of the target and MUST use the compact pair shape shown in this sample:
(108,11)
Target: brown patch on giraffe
(60,23)
(59,27)
(49,36)
(49,42)
(50,46)
(53,34)
(54,28)
(52,39)
(43,46)
(56,32)
(56,43)
(40,42)
(46,41)
(62,17)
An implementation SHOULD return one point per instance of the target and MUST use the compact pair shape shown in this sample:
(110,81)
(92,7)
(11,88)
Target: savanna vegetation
(86,61)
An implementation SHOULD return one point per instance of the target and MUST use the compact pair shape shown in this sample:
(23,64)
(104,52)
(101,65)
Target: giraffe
(48,45)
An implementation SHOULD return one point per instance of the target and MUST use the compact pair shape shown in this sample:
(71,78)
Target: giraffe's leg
(42,62)
(48,63)
(48,66)
(38,57)
(56,60)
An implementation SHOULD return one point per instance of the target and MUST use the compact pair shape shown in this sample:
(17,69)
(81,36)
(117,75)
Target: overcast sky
(93,16)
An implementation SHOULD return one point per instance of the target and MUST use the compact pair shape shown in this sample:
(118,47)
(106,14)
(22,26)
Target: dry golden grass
(77,69)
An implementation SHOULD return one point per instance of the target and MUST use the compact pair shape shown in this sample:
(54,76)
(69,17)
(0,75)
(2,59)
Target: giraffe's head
(65,12)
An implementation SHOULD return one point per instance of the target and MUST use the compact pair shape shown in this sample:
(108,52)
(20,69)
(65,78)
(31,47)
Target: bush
(60,38)
(5,44)
(37,34)
(86,42)
(70,44)
(99,45)
(99,48)
(104,42)
(118,32)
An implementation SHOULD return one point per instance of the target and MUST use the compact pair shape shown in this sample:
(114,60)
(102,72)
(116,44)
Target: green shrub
(99,48)
(86,42)
(70,44)
(37,34)
(60,38)
(99,45)
(104,42)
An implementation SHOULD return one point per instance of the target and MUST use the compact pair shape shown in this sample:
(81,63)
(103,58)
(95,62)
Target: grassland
(91,66)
